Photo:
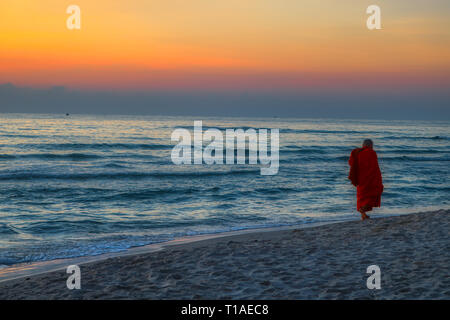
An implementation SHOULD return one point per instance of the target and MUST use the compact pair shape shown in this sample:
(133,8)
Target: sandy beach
(325,262)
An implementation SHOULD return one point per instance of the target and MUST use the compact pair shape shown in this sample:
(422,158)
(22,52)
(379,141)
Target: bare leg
(364,216)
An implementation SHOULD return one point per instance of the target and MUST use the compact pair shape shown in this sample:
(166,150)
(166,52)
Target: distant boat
(67,114)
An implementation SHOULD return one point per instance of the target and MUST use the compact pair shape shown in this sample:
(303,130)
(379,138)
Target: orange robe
(366,175)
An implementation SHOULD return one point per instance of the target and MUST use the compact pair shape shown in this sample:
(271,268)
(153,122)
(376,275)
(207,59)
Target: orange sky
(219,44)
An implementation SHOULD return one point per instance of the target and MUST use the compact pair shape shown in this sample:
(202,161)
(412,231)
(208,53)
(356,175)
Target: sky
(236,57)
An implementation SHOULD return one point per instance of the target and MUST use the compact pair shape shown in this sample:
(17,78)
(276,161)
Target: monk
(365,175)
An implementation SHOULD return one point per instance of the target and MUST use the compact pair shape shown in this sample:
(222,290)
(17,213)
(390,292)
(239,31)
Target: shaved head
(368,143)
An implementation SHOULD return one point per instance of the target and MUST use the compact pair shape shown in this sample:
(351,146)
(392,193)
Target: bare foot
(364,216)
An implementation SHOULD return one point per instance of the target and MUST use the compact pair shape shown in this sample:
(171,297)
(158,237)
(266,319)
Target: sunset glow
(223,44)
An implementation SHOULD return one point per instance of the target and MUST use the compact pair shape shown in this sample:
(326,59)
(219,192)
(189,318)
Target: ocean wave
(283,190)
(121,175)
(22,136)
(156,193)
(340,149)
(303,150)
(399,158)
(114,165)
(61,226)
(409,158)
(282,130)
(317,131)
(93,146)
(87,156)
(6,262)
(270,190)
(413,151)
(51,156)
(323,158)
(6,230)
(415,138)
(7,157)
(221,128)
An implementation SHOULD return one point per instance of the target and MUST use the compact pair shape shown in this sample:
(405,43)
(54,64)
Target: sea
(84,185)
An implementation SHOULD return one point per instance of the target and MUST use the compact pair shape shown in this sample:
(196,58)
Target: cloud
(58,99)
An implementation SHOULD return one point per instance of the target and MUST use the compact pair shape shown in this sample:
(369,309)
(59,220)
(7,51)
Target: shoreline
(27,269)
(326,261)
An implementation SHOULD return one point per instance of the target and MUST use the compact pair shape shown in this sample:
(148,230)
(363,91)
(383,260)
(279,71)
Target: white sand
(325,262)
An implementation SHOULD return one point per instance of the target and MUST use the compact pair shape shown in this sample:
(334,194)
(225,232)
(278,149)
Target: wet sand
(324,262)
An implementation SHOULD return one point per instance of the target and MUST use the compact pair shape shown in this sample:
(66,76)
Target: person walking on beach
(365,175)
